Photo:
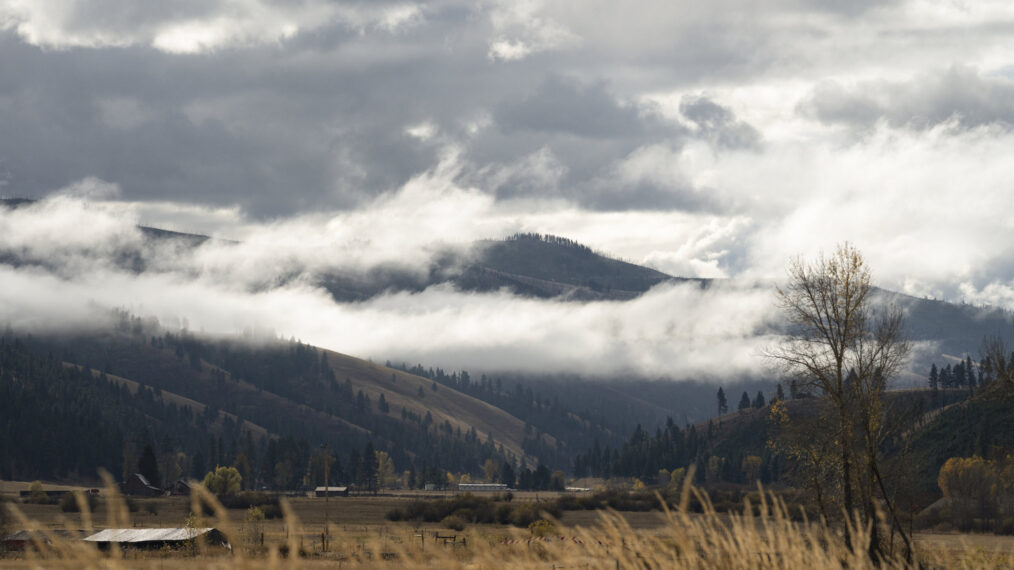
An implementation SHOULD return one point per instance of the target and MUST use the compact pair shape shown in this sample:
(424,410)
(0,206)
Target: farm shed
(138,485)
(155,537)
(331,492)
(180,488)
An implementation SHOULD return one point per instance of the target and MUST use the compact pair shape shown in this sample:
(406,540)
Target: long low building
(331,492)
(155,537)
(473,487)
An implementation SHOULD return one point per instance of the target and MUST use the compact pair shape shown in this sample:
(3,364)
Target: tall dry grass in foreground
(708,540)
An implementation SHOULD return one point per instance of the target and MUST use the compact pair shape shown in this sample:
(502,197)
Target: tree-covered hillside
(212,388)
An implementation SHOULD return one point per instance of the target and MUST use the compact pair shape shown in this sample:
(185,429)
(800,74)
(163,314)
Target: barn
(156,537)
(482,487)
(138,485)
(331,492)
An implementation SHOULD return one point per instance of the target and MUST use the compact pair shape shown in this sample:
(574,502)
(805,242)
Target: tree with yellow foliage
(971,484)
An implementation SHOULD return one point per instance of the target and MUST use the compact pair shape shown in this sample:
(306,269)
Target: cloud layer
(711,140)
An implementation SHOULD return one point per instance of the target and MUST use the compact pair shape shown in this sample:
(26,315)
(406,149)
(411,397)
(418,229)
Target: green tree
(506,474)
(223,480)
(147,466)
(759,402)
(366,471)
(723,404)
(242,465)
(744,402)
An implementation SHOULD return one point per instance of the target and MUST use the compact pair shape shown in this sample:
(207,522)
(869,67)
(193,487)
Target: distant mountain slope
(550,266)
(181,402)
(286,390)
(421,396)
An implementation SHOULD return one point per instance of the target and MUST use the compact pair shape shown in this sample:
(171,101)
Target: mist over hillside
(528,303)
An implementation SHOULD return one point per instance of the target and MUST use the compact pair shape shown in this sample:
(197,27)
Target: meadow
(362,537)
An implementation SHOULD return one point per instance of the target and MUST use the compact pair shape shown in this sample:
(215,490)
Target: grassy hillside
(402,391)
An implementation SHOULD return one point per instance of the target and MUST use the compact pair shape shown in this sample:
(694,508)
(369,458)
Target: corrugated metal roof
(147,534)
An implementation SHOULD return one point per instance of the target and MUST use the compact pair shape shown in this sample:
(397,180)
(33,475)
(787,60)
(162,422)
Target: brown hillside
(444,403)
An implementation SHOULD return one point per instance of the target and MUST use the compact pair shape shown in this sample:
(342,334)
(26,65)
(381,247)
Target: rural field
(362,537)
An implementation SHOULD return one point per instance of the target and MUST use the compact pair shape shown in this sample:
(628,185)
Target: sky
(713,139)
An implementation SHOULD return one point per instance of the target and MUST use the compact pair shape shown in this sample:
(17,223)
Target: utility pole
(327,496)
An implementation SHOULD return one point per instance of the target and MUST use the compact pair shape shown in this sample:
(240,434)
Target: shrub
(68,502)
(503,514)
(541,528)
(453,522)
(272,511)
(38,495)
(1006,526)
(247,499)
(524,515)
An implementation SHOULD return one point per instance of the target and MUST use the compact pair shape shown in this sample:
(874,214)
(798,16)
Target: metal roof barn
(145,537)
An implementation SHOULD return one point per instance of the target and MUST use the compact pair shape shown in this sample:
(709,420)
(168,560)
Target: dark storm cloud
(567,139)
(960,94)
(252,127)
(719,123)
(565,106)
(319,120)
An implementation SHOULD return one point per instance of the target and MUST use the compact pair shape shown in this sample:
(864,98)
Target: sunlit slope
(417,395)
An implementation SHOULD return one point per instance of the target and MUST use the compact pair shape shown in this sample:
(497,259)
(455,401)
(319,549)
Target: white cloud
(522,28)
(191,27)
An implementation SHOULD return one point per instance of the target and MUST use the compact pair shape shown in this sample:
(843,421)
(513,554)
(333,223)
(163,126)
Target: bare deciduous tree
(998,371)
(844,348)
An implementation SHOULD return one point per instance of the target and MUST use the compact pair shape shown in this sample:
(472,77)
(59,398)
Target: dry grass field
(361,537)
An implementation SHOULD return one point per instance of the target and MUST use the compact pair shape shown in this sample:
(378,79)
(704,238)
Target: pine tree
(934,377)
(723,404)
(779,393)
(148,466)
(744,402)
(759,402)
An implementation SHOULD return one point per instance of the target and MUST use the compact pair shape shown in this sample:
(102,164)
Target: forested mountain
(204,402)
(577,412)
(192,398)
(530,265)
